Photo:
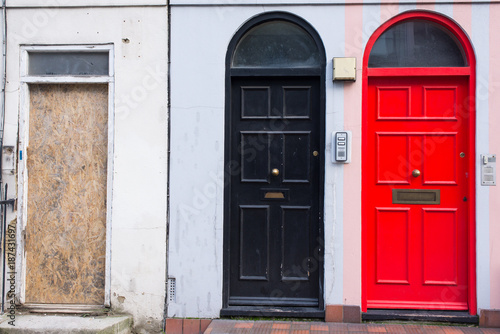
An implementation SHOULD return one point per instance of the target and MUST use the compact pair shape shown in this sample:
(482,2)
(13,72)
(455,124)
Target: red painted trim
(416,306)
(364,193)
(469,71)
(418,71)
(429,16)
(472,184)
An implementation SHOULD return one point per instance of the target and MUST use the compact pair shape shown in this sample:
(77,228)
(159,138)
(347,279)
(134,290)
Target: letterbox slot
(270,194)
(416,196)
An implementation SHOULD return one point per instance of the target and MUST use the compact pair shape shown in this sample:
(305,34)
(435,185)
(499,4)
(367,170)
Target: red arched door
(418,166)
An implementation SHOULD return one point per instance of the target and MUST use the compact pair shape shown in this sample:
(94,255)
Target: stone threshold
(70,324)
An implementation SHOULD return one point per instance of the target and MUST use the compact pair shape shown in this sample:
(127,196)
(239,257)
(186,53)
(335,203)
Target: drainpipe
(2,121)
(169,31)
(4,82)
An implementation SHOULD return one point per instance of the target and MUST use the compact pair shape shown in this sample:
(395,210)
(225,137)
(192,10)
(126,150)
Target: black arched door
(274,151)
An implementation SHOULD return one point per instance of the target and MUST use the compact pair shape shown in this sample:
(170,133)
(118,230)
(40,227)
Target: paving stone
(173,326)
(316,327)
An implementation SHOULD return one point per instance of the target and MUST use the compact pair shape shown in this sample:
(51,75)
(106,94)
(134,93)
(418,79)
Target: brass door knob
(415,173)
(275,172)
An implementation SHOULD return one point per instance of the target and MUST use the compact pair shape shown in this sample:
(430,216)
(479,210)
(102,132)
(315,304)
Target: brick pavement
(292,327)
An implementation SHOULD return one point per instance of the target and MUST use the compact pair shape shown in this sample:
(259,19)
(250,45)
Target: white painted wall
(304,2)
(200,36)
(83,3)
(2,59)
(201,32)
(479,36)
(138,221)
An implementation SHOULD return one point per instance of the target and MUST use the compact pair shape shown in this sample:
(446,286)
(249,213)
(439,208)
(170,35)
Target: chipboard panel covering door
(66,194)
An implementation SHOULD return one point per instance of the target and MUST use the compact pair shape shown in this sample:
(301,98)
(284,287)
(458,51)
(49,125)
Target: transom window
(417,43)
(72,63)
(276,44)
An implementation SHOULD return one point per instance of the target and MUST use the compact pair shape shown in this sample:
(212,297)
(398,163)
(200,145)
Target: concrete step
(70,324)
(456,317)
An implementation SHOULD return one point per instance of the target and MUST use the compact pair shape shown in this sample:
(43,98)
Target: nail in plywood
(67,168)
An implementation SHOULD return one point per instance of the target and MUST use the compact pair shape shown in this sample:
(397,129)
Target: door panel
(255,156)
(296,157)
(392,168)
(274,201)
(392,242)
(255,102)
(254,250)
(417,192)
(439,163)
(440,248)
(393,102)
(440,102)
(296,243)
(297,102)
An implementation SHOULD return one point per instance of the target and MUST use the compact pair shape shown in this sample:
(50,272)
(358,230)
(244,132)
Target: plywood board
(67,168)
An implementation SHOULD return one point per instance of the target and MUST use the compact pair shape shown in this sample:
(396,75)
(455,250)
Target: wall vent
(171,289)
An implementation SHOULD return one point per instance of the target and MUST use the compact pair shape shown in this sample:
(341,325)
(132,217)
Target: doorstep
(455,317)
(57,324)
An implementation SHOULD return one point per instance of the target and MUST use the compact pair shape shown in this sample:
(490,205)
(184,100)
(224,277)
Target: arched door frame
(231,73)
(469,71)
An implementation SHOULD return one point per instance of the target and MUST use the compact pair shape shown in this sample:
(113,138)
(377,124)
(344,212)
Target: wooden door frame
(318,72)
(467,71)
(23,143)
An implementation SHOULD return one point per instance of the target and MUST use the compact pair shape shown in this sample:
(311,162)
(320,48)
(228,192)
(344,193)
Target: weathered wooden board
(67,167)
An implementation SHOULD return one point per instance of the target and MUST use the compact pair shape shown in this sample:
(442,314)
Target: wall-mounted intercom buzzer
(488,169)
(341,150)
(341,146)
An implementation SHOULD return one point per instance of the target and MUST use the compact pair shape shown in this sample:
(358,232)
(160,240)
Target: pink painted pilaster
(388,9)
(494,147)
(462,14)
(425,5)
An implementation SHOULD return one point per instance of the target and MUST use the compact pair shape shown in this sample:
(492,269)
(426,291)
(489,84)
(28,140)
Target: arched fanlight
(276,44)
(417,43)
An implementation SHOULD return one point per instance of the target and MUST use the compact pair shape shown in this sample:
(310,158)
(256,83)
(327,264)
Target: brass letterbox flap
(416,196)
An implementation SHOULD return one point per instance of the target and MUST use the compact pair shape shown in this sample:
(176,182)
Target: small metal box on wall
(344,69)
(488,169)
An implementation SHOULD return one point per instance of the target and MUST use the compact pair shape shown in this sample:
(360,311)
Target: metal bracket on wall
(11,201)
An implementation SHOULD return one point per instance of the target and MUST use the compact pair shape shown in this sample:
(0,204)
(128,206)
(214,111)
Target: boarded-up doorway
(66,196)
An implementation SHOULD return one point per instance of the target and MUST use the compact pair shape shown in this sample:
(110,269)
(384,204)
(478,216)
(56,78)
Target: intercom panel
(488,170)
(341,147)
